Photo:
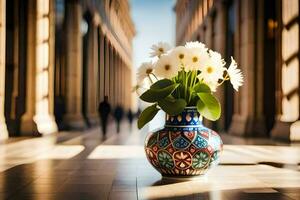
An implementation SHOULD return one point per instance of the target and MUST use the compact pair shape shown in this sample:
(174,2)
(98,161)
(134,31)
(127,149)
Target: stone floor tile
(123,195)
(249,169)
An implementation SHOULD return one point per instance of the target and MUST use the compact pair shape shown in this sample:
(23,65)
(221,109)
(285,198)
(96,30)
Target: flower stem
(186,83)
(193,81)
(154,76)
(150,79)
(226,78)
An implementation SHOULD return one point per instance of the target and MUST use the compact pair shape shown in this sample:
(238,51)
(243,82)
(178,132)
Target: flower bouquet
(182,84)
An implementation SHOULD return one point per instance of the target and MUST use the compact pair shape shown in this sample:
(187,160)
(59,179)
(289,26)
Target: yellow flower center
(167,67)
(161,50)
(148,71)
(195,59)
(209,70)
(181,56)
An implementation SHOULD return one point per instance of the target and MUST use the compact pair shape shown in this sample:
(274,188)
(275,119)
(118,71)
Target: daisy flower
(159,49)
(197,55)
(180,55)
(213,69)
(195,44)
(144,71)
(235,75)
(166,67)
(140,88)
(212,85)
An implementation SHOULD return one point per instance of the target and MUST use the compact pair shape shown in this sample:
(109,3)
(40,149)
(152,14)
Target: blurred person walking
(130,118)
(104,110)
(118,114)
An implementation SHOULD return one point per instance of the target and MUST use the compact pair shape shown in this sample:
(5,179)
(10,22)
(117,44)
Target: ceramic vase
(184,147)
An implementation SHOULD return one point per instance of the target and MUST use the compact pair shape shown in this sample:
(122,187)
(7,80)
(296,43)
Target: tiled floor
(81,165)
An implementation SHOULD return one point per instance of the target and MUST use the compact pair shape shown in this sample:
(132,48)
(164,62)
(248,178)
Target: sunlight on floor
(260,153)
(34,149)
(251,178)
(62,152)
(117,152)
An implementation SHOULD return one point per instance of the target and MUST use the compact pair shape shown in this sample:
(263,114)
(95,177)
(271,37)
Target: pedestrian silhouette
(104,110)
(118,114)
(130,117)
(59,111)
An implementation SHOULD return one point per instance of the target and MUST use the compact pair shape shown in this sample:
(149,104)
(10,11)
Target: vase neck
(189,117)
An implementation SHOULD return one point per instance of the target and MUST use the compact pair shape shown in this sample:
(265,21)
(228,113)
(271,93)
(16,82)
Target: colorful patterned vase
(184,147)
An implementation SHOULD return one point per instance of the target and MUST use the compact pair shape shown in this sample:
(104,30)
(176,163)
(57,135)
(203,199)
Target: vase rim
(188,119)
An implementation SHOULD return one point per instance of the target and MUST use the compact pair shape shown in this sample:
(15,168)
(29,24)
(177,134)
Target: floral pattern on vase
(184,147)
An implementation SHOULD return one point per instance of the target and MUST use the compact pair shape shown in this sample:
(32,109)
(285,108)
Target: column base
(76,122)
(93,119)
(247,127)
(46,124)
(38,125)
(3,130)
(287,131)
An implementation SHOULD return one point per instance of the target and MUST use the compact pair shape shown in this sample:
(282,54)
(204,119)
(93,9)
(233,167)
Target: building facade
(263,36)
(58,59)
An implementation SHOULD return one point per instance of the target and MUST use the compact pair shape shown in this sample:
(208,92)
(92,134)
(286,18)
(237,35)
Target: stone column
(127,80)
(111,76)
(101,66)
(123,83)
(124,87)
(107,69)
(38,118)
(73,117)
(219,44)
(209,32)
(129,89)
(287,125)
(118,79)
(247,119)
(3,128)
(92,76)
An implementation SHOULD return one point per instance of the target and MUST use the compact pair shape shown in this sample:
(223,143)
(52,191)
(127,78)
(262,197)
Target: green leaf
(201,87)
(147,115)
(193,100)
(161,84)
(208,106)
(154,95)
(172,106)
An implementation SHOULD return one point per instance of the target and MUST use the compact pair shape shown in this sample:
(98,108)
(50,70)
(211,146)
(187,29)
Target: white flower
(212,85)
(140,88)
(180,55)
(195,44)
(235,75)
(159,49)
(213,69)
(197,56)
(144,71)
(166,67)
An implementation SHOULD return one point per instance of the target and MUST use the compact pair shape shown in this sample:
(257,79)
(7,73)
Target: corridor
(82,165)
